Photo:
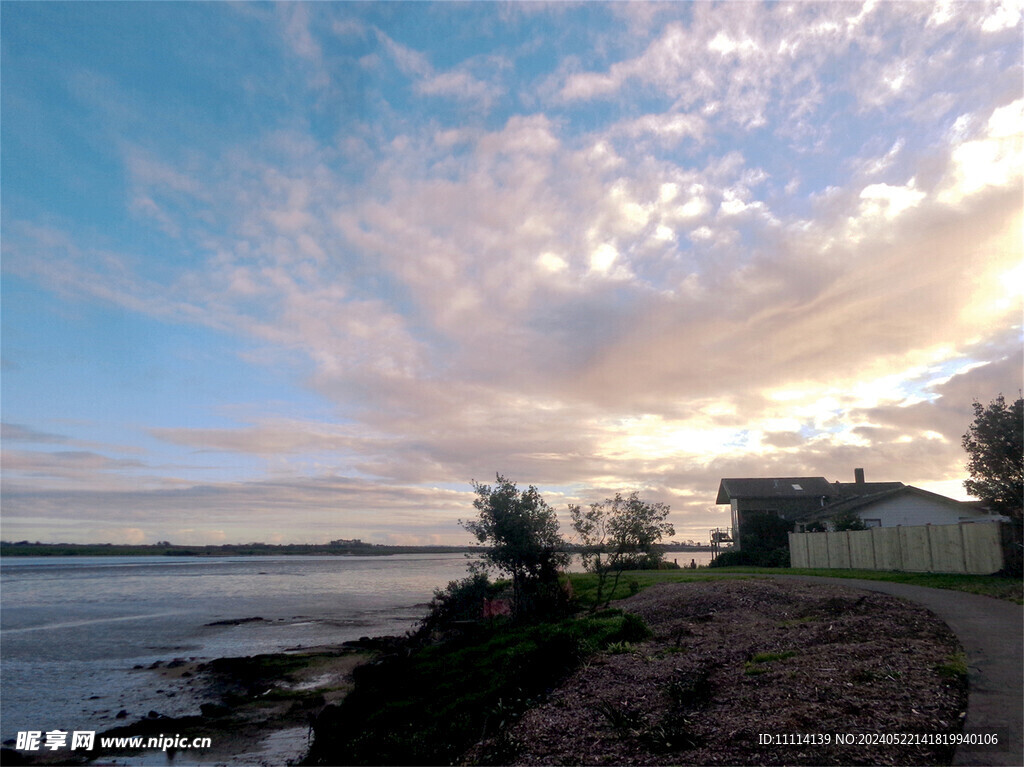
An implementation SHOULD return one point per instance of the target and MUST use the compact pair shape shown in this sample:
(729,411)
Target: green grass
(1000,587)
(584,585)
(759,664)
(954,667)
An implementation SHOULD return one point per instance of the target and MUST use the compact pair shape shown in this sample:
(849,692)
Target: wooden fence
(964,548)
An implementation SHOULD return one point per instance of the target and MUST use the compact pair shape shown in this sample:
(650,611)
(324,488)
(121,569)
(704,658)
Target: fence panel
(963,548)
(862,550)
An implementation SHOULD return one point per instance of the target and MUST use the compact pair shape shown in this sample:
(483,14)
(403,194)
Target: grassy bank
(428,705)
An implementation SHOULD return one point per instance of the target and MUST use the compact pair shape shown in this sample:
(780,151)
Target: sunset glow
(301,272)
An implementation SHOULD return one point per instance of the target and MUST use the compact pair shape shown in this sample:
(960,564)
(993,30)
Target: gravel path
(992,634)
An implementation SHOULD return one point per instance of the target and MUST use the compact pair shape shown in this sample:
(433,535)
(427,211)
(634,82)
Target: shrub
(459,601)
(756,558)
(633,629)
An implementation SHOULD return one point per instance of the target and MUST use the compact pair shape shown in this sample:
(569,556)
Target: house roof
(848,489)
(861,502)
(774,487)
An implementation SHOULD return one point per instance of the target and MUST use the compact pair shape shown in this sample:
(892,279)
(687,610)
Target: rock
(122,714)
(214,710)
(10,756)
(235,621)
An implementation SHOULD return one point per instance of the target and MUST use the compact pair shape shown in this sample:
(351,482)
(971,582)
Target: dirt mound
(733,661)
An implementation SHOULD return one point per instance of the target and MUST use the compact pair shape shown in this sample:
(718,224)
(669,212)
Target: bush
(756,558)
(633,629)
(459,601)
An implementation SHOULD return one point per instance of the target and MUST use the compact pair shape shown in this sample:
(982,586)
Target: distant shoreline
(348,548)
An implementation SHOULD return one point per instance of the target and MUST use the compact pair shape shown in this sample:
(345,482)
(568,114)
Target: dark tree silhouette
(995,448)
(521,531)
(620,534)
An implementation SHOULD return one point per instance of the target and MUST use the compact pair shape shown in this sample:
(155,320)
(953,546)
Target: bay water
(78,634)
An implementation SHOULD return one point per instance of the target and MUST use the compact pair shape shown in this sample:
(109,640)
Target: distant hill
(341,547)
(335,548)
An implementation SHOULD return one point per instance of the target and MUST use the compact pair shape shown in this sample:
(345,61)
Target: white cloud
(603,258)
(885,201)
(552,262)
(995,159)
(670,128)
(1007,15)
(458,83)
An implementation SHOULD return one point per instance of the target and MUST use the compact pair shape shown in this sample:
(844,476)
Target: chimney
(858,476)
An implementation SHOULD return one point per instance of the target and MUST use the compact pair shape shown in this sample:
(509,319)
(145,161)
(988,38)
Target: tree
(619,534)
(521,531)
(848,520)
(995,448)
(763,532)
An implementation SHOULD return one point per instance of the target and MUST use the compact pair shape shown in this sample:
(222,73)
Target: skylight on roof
(797,487)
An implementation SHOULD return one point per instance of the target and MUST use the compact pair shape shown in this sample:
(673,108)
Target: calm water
(73,629)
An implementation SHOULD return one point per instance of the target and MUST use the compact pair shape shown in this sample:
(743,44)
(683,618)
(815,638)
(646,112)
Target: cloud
(64,465)
(589,296)
(12,432)
(306,510)
(458,83)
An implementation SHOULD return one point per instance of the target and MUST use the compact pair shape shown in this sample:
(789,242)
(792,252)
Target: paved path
(991,632)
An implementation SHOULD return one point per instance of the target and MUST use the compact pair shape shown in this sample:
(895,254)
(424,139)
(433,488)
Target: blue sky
(295,272)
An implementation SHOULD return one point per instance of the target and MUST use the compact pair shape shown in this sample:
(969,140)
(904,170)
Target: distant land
(341,547)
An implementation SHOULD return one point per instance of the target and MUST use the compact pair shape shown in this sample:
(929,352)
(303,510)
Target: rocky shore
(255,710)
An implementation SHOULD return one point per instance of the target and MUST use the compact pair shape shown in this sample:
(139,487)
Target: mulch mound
(734,661)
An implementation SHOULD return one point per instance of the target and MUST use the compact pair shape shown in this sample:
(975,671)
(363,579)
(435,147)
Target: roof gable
(848,489)
(773,487)
(859,503)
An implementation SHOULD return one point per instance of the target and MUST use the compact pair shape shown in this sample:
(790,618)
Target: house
(906,505)
(803,501)
(785,497)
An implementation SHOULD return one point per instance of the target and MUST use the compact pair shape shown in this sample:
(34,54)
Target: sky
(298,272)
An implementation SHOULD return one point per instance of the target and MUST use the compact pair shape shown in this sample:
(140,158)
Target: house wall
(787,508)
(909,510)
(964,548)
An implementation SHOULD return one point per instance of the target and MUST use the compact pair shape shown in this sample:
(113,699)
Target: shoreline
(256,710)
(23,549)
(259,709)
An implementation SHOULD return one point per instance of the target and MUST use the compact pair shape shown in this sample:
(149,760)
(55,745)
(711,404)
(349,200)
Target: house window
(872,523)
(797,487)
